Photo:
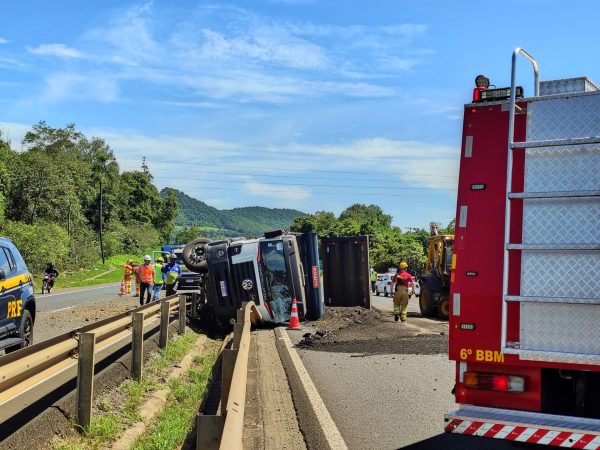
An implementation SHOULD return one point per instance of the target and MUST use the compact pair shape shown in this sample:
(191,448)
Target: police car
(17,302)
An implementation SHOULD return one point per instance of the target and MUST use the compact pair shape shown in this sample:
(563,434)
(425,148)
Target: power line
(285,169)
(300,192)
(300,184)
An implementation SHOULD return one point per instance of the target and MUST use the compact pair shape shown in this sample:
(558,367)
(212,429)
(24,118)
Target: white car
(386,287)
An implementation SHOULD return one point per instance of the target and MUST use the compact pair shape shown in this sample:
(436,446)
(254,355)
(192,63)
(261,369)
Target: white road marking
(62,309)
(75,292)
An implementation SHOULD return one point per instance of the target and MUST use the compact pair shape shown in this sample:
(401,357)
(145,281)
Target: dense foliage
(216,223)
(51,195)
(387,243)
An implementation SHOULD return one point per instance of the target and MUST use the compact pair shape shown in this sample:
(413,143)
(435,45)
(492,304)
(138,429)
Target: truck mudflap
(522,426)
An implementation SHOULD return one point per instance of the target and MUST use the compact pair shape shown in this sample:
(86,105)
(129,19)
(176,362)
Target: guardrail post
(209,432)
(85,379)
(164,324)
(137,345)
(182,300)
(229,357)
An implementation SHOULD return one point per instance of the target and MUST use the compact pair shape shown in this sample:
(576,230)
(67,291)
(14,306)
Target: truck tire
(426,305)
(444,309)
(25,332)
(194,254)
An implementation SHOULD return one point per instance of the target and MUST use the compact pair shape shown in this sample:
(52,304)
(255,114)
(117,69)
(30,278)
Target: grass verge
(119,408)
(174,424)
(110,272)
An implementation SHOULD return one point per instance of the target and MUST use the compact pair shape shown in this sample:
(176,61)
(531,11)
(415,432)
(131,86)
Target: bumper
(521,426)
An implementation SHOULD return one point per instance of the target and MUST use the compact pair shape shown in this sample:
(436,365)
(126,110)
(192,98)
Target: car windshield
(276,280)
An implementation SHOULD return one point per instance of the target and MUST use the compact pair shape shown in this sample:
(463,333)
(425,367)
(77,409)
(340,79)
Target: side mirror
(2,275)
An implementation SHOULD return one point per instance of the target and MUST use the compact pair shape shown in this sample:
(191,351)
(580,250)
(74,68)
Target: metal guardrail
(224,430)
(30,374)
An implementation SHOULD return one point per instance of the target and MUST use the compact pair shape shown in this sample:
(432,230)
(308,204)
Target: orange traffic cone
(122,289)
(294,320)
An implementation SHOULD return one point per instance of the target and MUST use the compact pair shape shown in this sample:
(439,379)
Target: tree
(104,169)
(188,234)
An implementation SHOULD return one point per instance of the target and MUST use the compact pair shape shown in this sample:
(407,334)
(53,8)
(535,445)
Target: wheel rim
(198,253)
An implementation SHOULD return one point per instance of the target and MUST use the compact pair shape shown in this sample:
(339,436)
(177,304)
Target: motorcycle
(47,283)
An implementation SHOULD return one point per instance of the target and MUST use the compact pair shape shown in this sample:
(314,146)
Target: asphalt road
(389,401)
(66,298)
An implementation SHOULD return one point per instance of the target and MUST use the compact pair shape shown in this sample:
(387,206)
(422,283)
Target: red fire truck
(525,287)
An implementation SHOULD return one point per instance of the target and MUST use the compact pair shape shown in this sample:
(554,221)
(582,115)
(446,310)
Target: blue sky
(313,105)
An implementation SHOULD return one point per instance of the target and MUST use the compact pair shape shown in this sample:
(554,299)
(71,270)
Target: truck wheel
(444,309)
(377,292)
(194,254)
(25,332)
(426,305)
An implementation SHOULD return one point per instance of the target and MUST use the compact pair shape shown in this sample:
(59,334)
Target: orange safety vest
(146,273)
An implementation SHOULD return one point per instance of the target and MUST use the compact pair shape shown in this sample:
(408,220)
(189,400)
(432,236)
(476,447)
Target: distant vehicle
(47,283)
(385,286)
(189,281)
(17,301)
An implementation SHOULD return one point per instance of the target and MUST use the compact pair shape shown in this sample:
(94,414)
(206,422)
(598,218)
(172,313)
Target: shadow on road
(446,441)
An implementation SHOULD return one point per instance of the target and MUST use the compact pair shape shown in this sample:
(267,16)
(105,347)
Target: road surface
(395,400)
(62,311)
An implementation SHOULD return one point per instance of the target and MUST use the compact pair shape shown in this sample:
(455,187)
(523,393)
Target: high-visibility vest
(146,273)
(158,276)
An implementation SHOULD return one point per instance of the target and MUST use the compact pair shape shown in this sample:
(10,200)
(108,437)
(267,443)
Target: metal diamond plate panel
(551,273)
(559,327)
(561,221)
(563,117)
(567,85)
(575,168)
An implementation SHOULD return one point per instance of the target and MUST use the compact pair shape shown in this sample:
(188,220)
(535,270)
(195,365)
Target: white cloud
(59,50)
(4,41)
(278,192)
(66,86)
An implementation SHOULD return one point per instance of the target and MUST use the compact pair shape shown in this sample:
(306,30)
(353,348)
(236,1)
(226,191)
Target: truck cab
(267,270)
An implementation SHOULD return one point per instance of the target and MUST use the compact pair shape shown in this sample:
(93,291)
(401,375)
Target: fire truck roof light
(481,81)
(493,95)
(494,382)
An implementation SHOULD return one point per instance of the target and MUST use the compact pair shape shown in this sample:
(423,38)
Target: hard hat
(173,256)
(403,265)
(147,258)
(159,259)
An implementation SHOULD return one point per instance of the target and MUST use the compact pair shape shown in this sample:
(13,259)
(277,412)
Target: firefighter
(403,280)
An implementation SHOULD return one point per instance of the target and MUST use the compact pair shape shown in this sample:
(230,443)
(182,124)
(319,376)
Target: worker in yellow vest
(145,273)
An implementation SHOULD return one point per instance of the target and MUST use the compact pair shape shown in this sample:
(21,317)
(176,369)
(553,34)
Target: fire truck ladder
(560,280)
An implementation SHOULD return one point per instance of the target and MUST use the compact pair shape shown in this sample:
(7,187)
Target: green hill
(218,223)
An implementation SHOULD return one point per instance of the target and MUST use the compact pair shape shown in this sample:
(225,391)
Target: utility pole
(100,224)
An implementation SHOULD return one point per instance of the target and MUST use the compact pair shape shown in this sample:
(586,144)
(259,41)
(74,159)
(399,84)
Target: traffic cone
(294,320)
(122,289)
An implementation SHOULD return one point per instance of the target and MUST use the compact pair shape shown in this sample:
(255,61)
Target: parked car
(386,286)
(17,302)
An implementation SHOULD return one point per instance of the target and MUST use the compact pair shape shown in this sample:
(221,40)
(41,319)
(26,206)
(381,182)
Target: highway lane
(390,401)
(66,298)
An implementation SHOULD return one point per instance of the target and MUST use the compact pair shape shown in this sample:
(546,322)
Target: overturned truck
(271,271)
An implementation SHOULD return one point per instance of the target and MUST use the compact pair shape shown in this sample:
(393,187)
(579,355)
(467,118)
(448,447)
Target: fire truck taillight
(494,382)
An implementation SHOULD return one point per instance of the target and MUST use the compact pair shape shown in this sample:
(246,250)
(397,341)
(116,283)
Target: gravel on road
(368,332)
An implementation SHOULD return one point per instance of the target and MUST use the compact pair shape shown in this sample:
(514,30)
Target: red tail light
(494,382)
